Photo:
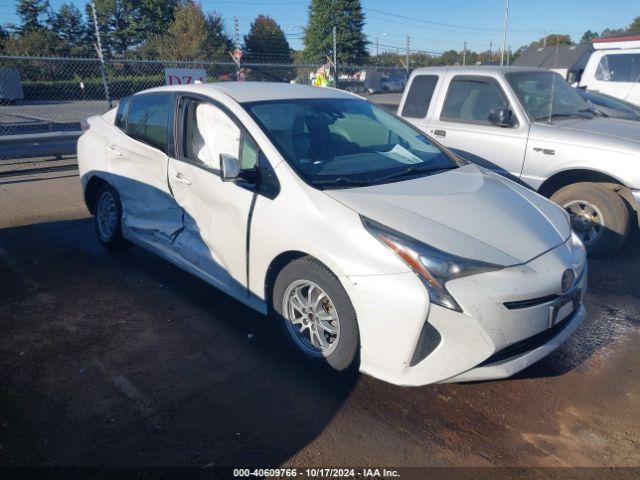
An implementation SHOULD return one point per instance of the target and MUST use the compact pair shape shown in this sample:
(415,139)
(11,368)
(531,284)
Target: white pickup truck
(532,126)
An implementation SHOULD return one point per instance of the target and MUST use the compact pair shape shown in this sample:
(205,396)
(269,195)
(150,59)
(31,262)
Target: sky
(432,25)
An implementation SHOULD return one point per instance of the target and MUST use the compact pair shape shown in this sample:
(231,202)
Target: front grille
(528,344)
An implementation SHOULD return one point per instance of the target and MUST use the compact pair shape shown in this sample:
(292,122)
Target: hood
(466,212)
(607,133)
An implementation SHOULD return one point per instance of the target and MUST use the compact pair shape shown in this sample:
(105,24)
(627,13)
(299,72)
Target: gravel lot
(124,360)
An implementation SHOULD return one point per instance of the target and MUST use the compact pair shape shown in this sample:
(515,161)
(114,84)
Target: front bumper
(455,346)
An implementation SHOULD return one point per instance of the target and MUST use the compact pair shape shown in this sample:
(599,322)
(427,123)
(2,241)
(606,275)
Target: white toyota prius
(371,244)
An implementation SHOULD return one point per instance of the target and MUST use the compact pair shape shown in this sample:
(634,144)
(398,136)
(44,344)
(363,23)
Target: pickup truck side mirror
(229,167)
(502,117)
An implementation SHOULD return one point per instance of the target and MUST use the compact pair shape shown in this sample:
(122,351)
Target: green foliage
(72,30)
(635,25)
(32,13)
(266,42)
(192,35)
(121,26)
(34,42)
(588,36)
(348,18)
(554,39)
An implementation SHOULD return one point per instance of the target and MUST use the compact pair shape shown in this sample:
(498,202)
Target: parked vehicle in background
(354,230)
(614,68)
(532,126)
(608,106)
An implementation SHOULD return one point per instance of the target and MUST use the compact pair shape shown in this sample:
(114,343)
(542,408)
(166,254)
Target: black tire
(345,354)
(614,211)
(115,240)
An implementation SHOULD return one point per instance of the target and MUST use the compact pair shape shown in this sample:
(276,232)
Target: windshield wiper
(413,170)
(340,182)
(565,115)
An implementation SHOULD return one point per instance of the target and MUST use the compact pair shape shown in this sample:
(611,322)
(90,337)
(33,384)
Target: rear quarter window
(121,113)
(148,119)
(416,105)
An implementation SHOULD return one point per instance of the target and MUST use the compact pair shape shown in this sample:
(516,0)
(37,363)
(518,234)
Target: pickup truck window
(470,99)
(416,105)
(547,96)
(148,119)
(624,67)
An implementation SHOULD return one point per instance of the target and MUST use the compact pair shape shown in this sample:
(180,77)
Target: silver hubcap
(586,220)
(312,318)
(106,215)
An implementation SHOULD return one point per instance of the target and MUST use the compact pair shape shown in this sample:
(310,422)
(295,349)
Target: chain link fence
(42,94)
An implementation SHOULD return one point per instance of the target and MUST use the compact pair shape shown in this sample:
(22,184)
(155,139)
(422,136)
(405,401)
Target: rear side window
(471,100)
(121,113)
(624,67)
(419,97)
(148,119)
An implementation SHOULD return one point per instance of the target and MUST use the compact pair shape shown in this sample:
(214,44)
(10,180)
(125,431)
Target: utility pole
(103,69)
(408,53)
(464,53)
(236,34)
(377,52)
(508,55)
(490,51)
(335,58)
(506,25)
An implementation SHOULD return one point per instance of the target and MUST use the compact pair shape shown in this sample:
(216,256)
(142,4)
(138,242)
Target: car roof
(474,69)
(243,92)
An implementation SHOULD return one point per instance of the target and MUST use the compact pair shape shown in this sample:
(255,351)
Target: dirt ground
(124,360)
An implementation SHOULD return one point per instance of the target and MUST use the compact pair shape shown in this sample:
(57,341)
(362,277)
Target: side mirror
(229,167)
(502,117)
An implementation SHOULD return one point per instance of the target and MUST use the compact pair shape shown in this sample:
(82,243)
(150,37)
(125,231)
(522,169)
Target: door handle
(440,133)
(181,179)
(115,151)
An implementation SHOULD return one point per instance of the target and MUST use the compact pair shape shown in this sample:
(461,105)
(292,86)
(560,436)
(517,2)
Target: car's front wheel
(599,216)
(316,314)
(107,217)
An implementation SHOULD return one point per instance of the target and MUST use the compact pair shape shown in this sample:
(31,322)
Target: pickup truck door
(460,122)
(216,212)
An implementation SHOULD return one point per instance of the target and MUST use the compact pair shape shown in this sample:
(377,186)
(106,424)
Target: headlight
(578,251)
(433,266)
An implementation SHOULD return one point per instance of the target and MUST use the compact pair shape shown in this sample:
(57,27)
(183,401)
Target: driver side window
(209,132)
(469,100)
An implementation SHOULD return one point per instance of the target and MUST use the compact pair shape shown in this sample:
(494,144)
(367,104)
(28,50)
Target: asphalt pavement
(124,360)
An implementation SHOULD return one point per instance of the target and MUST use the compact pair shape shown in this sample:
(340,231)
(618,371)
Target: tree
(120,24)
(192,35)
(266,42)
(588,36)
(70,26)
(155,15)
(348,18)
(31,13)
(635,25)
(554,39)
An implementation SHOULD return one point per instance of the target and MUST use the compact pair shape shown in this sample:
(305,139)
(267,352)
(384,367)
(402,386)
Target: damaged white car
(372,245)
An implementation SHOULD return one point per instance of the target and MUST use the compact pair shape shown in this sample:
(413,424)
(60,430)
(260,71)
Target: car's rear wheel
(108,217)
(599,216)
(316,314)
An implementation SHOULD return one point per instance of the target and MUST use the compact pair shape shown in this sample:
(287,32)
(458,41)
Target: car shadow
(122,359)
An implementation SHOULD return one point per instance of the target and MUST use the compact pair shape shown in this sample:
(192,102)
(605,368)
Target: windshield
(546,96)
(336,143)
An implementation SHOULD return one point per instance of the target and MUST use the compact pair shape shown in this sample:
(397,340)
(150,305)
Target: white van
(614,68)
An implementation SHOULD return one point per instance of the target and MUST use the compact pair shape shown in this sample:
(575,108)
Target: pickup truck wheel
(599,216)
(108,217)
(316,314)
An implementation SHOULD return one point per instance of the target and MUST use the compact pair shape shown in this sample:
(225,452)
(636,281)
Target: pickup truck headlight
(434,267)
